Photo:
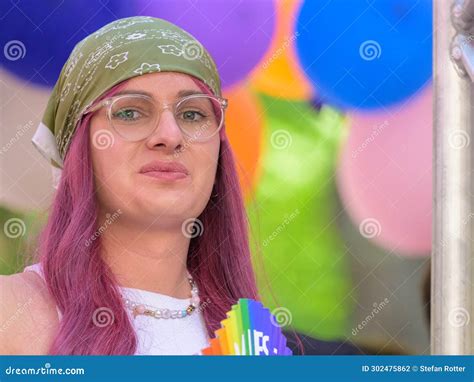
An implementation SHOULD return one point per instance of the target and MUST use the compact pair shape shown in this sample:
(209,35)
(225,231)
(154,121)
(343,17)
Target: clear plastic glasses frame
(135,117)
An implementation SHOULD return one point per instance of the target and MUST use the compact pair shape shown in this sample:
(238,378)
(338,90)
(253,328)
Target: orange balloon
(244,128)
(279,73)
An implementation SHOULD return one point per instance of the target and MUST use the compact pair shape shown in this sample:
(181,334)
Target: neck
(152,259)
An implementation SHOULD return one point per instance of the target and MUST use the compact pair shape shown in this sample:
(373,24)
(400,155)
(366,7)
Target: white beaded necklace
(147,310)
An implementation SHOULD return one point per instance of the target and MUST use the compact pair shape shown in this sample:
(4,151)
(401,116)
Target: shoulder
(28,316)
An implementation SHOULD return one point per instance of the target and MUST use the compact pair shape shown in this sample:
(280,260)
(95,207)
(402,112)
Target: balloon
(38,38)
(303,254)
(237,34)
(366,55)
(279,74)
(385,175)
(244,127)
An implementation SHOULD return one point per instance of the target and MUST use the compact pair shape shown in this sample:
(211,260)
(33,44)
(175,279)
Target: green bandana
(118,51)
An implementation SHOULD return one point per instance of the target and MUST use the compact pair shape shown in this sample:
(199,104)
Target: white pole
(452,326)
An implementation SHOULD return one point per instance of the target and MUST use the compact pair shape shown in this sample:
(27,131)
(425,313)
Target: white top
(179,336)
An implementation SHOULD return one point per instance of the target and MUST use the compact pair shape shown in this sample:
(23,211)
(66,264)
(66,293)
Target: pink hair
(224,143)
(83,286)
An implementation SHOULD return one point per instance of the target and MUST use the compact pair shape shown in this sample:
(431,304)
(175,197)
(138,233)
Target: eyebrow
(180,94)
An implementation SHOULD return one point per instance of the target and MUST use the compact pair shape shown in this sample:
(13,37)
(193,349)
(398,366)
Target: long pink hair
(94,320)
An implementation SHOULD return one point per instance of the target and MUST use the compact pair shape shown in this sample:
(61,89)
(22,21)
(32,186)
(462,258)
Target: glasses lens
(199,117)
(134,118)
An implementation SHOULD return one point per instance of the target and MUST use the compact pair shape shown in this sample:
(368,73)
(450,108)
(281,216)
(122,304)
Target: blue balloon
(37,36)
(363,54)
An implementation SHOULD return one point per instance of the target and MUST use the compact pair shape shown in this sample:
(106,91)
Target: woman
(146,246)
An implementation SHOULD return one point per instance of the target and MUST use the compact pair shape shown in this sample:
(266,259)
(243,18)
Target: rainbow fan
(249,329)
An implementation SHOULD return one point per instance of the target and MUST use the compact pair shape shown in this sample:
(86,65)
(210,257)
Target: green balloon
(293,220)
(19,232)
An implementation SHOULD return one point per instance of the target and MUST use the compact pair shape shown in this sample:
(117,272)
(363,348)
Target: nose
(167,134)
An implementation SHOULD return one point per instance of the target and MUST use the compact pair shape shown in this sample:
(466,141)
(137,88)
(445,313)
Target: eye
(127,114)
(192,116)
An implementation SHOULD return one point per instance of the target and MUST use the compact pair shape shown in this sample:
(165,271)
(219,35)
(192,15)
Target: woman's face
(125,173)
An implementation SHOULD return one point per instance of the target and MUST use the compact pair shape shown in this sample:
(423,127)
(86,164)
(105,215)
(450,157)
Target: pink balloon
(385,174)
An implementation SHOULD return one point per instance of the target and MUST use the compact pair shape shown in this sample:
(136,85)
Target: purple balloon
(236,33)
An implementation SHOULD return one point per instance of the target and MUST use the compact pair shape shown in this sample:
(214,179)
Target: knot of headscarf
(118,51)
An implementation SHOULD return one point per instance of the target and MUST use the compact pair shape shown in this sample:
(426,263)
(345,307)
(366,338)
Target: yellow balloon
(279,73)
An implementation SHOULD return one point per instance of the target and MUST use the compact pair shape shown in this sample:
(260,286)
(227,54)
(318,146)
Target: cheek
(105,162)
(108,158)
(206,166)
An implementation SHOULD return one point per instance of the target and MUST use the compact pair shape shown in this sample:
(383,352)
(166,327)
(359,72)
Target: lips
(165,170)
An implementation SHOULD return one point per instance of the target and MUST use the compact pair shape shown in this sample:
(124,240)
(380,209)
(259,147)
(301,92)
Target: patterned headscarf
(118,51)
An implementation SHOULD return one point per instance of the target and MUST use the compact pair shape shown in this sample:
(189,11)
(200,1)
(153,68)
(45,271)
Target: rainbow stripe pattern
(249,329)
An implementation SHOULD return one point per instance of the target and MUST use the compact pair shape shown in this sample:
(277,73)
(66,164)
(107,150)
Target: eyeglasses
(135,117)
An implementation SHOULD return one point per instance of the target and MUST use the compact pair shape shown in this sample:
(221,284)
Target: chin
(163,202)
